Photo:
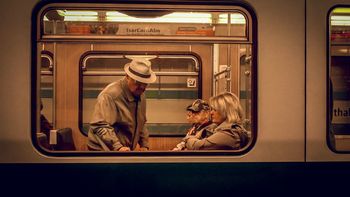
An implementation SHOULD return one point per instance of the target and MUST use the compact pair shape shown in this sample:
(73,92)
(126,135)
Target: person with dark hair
(198,113)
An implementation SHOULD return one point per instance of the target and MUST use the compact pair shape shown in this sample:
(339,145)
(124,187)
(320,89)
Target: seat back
(64,139)
(42,140)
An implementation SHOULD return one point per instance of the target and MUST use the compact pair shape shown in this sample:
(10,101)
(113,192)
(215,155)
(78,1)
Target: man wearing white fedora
(118,121)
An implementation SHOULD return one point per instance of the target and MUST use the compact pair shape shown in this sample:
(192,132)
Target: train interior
(194,54)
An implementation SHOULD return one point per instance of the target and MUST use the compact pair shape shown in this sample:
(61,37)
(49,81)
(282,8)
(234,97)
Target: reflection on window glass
(339,73)
(172,88)
(151,23)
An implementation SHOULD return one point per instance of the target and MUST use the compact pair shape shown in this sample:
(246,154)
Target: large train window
(339,80)
(197,52)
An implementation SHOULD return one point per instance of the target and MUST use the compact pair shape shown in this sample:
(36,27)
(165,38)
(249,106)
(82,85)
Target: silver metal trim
(196,65)
(122,73)
(145,38)
(98,56)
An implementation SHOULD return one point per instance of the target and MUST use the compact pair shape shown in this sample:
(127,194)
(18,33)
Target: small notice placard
(143,29)
(191,82)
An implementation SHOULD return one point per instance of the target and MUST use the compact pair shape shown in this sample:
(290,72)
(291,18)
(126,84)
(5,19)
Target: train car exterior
(295,58)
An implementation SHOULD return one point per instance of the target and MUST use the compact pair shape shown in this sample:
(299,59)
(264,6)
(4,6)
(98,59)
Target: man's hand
(124,148)
(143,149)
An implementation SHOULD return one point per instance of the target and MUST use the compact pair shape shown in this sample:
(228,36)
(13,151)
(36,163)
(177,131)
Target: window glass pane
(339,73)
(195,53)
(143,22)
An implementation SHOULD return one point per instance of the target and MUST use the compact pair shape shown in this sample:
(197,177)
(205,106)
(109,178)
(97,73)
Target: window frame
(196,58)
(252,40)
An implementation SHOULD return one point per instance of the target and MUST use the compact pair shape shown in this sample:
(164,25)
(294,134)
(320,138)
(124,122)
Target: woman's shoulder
(242,133)
(232,128)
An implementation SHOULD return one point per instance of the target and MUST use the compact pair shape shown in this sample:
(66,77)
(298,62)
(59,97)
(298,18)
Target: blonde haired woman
(226,113)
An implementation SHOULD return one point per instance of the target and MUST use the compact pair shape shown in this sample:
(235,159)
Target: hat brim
(148,80)
(192,109)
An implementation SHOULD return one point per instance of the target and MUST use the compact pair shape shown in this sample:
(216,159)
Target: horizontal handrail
(122,73)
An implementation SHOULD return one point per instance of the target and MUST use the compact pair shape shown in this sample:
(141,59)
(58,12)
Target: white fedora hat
(140,70)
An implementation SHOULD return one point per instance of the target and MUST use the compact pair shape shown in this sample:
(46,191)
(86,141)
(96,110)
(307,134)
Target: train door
(327,80)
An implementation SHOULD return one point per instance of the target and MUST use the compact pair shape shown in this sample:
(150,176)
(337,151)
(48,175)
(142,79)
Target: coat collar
(228,126)
(224,125)
(128,93)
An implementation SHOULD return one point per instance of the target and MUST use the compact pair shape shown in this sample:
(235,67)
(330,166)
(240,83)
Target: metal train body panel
(291,67)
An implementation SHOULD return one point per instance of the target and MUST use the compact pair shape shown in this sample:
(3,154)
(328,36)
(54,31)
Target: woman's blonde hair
(229,107)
